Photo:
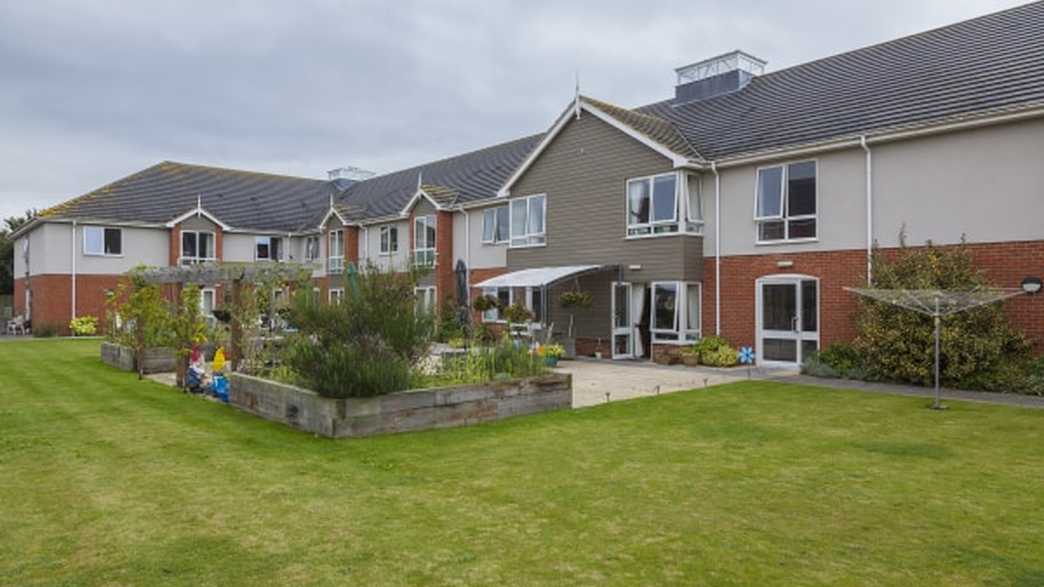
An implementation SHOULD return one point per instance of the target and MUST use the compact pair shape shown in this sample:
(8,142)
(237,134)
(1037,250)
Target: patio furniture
(17,325)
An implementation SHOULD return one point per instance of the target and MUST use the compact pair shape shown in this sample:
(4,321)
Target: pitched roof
(167,190)
(461,179)
(991,62)
(658,129)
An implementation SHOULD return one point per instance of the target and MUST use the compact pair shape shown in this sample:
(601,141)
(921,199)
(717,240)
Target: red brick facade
(52,298)
(445,281)
(1005,264)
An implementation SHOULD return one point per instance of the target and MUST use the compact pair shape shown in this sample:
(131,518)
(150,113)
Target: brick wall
(445,280)
(1005,264)
(52,298)
(351,245)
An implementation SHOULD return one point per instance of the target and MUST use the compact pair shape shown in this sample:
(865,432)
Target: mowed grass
(105,480)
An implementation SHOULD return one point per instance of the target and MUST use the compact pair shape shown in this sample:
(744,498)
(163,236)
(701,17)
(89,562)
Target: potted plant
(573,299)
(551,354)
(485,303)
(518,314)
(690,356)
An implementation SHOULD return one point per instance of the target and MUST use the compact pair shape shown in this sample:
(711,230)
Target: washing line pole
(937,405)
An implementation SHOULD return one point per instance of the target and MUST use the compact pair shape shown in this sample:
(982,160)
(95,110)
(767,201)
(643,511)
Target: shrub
(451,322)
(708,345)
(842,358)
(365,345)
(724,356)
(84,326)
(898,344)
(815,366)
(505,360)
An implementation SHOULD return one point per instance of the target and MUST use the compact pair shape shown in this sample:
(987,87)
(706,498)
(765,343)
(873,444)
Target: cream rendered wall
(841,207)
(987,184)
(238,247)
(51,251)
(482,256)
(370,247)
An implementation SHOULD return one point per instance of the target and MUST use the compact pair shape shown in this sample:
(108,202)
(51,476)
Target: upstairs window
(268,248)
(335,252)
(389,240)
(785,206)
(652,205)
(102,241)
(527,217)
(312,248)
(196,247)
(424,241)
(694,204)
(495,225)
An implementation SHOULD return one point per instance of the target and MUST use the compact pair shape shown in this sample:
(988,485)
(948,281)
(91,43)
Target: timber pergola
(236,275)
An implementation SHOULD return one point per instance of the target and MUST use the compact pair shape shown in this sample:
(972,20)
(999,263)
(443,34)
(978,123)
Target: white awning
(541,276)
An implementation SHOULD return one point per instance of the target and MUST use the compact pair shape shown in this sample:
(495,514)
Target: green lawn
(107,480)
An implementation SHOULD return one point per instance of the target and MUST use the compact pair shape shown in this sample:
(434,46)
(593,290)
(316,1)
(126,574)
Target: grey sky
(94,90)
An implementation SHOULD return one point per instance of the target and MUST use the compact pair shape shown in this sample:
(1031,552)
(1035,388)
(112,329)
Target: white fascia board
(198,212)
(679,161)
(333,211)
(420,193)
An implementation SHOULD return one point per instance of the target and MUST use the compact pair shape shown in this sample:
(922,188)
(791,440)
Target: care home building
(741,204)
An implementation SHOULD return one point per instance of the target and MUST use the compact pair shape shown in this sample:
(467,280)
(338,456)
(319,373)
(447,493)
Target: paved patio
(600,381)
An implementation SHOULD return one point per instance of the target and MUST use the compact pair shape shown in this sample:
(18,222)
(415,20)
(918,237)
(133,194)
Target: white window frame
(425,256)
(309,257)
(335,254)
(491,212)
(533,239)
(683,222)
(537,318)
(101,253)
(680,334)
(495,316)
(213,301)
(785,196)
(259,239)
(192,259)
(425,297)
(335,292)
(387,231)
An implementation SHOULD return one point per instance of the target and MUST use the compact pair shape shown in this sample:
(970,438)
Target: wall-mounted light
(1031,285)
(634,267)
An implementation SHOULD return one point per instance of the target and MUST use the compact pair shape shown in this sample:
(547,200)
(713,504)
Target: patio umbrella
(461,272)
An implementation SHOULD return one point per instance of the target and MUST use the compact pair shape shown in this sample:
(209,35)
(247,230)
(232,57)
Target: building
(741,205)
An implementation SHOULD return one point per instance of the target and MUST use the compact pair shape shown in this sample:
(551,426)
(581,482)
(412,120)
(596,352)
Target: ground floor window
(505,297)
(676,312)
(425,299)
(336,295)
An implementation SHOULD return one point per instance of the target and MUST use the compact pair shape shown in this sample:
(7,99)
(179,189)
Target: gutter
(869,211)
(73,259)
(717,248)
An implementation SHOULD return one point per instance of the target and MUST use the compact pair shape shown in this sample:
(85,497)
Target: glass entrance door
(623,325)
(788,320)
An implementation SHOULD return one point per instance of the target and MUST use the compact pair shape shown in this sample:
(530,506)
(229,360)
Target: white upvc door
(622,323)
(787,319)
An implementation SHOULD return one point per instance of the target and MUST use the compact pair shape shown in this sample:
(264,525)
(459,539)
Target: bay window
(785,202)
(676,312)
(424,241)
(389,240)
(335,252)
(196,247)
(668,203)
(527,217)
(107,242)
(495,225)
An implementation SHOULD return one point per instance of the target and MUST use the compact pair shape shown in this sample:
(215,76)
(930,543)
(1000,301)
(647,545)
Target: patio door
(622,325)
(787,319)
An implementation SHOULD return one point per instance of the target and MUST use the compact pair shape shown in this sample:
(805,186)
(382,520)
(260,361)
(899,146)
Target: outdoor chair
(16,326)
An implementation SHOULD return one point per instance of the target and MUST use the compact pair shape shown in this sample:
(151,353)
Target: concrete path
(600,381)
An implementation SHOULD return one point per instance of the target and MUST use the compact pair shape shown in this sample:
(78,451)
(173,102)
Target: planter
(690,359)
(551,361)
(404,411)
(157,359)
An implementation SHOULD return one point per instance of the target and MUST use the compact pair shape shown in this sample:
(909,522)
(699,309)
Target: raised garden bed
(404,411)
(157,359)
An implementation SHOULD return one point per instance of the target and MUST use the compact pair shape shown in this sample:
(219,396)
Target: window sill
(120,256)
(638,237)
(793,241)
(493,244)
(527,246)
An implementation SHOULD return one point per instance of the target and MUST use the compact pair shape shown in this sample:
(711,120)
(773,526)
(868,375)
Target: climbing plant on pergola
(237,276)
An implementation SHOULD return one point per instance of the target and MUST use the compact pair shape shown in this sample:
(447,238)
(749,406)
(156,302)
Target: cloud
(96,90)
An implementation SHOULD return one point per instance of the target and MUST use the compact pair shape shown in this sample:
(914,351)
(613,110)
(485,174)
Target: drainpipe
(717,248)
(869,210)
(73,250)
(467,257)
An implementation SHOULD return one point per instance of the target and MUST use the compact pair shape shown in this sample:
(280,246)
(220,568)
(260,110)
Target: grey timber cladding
(584,172)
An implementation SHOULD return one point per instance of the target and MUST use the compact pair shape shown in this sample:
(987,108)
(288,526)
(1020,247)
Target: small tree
(188,328)
(899,345)
(366,344)
(143,317)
